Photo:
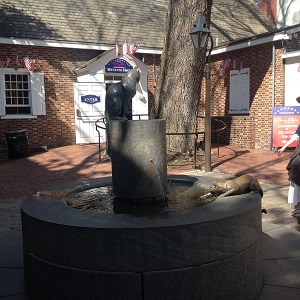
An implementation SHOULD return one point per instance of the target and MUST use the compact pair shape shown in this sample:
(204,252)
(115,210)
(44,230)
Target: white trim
(36,94)
(251,43)
(291,54)
(18,117)
(58,44)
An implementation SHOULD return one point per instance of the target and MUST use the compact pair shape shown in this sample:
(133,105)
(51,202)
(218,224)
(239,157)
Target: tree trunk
(177,92)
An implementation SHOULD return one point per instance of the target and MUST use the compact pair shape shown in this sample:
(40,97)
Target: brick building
(70,41)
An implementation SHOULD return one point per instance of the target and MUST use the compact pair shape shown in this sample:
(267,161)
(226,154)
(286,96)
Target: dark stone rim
(50,209)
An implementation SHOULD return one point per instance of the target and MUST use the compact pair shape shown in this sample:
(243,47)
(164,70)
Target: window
(110,79)
(113,78)
(16,89)
(239,94)
(21,93)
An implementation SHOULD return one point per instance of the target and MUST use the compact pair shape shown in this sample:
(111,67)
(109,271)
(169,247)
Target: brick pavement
(26,176)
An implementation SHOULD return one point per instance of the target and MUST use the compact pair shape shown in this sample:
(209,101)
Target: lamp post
(200,34)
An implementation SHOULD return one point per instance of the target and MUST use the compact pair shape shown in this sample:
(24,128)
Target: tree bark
(177,92)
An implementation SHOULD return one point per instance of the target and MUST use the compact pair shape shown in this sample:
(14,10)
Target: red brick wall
(57,127)
(254,129)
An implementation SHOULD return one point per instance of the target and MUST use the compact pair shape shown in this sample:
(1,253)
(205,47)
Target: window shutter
(2,98)
(234,92)
(239,91)
(38,94)
(245,90)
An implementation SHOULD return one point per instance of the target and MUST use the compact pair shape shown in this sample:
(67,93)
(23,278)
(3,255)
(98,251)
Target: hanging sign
(286,120)
(90,99)
(118,65)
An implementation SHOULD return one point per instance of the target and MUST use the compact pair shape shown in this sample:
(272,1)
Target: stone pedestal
(139,159)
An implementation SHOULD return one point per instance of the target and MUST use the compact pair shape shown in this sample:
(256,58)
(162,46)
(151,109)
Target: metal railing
(101,124)
(220,127)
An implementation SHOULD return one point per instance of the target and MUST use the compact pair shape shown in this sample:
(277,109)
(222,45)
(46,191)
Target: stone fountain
(143,239)
(210,251)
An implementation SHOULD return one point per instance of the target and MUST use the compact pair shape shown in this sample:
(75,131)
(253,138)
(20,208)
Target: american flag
(234,64)
(227,63)
(17,60)
(125,47)
(117,48)
(224,66)
(4,63)
(29,63)
(132,48)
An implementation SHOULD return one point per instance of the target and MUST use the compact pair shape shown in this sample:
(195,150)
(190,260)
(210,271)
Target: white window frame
(239,91)
(36,94)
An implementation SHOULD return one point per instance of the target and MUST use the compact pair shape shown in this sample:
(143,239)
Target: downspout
(273,74)
(273,89)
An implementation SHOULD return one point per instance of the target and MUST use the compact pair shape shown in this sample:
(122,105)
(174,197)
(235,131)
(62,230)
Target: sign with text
(90,99)
(286,120)
(118,65)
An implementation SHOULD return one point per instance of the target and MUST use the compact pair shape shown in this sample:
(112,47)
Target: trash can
(17,143)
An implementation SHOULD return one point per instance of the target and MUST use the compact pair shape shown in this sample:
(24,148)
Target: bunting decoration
(29,63)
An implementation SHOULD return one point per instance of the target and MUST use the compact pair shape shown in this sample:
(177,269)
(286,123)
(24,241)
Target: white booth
(93,79)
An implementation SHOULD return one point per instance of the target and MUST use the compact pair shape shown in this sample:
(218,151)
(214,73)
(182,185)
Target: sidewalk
(281,236)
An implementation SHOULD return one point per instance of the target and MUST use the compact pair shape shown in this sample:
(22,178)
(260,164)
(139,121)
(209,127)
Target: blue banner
(90,99)
(118,65)
(285,110)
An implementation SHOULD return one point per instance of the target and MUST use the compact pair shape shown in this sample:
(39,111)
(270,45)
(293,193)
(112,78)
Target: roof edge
(65,44)
(252,41)
(268,37)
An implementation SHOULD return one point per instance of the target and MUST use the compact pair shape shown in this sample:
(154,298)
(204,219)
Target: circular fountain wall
(206,252)
(201,253)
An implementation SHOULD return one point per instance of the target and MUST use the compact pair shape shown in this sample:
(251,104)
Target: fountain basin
(209,252)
